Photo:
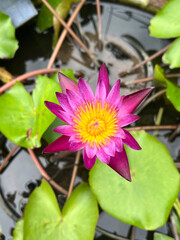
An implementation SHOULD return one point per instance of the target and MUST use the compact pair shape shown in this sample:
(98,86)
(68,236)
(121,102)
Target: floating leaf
(159,236)
(43,219)
(147,200)
(8,42)
(18,231)
(172,55)
(166,22)
(24,119)
(159,76)
(173,94)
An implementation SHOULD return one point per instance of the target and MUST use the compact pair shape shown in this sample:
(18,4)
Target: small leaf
(18,231)
(23,119)
(166,22)
(5,76)
(43,219)
(159,236)
(159,76)
(8,42)
(173,94)
(172,55)
(147,200)
(45,17)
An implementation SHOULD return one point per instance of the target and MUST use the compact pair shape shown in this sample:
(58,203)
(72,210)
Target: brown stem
(174,227)
(70,31)
(8,157)
(162,127)
(44,173)
(26,76)
(133,233)
(63,35)
(74,173)
(99,19)
(151,78)
(149,58)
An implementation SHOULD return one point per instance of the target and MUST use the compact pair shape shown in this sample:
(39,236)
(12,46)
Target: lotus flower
(95,122)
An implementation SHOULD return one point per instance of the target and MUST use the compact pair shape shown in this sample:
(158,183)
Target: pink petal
(62,98)
(121,133)
(132,101)
(91,151)
(58,111)
(60,144)
(110,148)
(67,83)
(85,91)
(119,163)
(130,141)
(65,130)
(88,162)
(75,100)
(119,144)
(76,146)
(100,93)
(113,96)
(127,119)
(103,76)
(103,157)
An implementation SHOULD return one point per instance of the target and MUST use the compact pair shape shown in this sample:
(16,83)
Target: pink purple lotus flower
(95,122)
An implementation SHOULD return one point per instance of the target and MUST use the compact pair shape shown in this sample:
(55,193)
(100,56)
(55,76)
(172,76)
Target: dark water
(126,41)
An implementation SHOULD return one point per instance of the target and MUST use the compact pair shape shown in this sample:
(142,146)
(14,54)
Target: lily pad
(23,119)
(166,22)
(44,220)
(159,76)
(173,94)
(172,55)
(8,42)
(147,200)
(159,236)
(18,231)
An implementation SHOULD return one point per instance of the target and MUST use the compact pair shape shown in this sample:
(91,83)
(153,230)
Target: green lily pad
(159,76)
(23,119)
(166,22)
(8,42)
(18,231)
(44,220)
(159,236)
(147,200)
(173,94)
(172,55)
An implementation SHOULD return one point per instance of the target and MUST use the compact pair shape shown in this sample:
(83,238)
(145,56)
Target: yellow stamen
(95,124)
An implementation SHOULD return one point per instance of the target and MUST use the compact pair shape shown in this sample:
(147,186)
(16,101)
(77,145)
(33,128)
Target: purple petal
(60,144)
(65,130)
(100,93)
(119,163)
(67,83)
(113,96)
(130,141)
(103,76)
(103,157)
(85,91)
(131,102)
(62,98)
(76,146)
(58,111)
(74,99)
(91,151)
(88,162)
(127,119)
(121,133)
(110,148)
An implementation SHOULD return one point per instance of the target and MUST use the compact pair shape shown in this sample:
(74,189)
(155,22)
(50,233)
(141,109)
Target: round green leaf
(173,94)
(23,119)
(166,23)
(8,42)
(159,236)
(147,200)
(43,219)
(18,231)
(172,55)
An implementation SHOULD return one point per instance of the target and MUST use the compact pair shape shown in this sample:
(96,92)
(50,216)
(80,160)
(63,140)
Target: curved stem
(44,173)
(63,35)
(26,76)
(8,157)
(109,234)
(74,173)
(162,127)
